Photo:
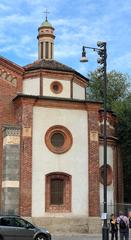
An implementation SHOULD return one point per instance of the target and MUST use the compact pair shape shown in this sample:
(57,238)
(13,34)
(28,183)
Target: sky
(76,23)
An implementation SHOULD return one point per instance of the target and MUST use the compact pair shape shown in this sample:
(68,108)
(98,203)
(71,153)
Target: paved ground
(76,237)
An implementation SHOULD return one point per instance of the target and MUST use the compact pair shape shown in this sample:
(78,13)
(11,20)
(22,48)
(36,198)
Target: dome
(46,24)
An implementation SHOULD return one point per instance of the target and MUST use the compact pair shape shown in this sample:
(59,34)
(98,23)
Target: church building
(51,141)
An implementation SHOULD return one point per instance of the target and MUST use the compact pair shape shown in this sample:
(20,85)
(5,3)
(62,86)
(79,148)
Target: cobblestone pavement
(76,237)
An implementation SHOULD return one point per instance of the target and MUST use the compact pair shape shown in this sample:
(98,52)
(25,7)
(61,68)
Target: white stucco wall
(78,92)
(73,162)
(31,86)
(47,91)
(110,189)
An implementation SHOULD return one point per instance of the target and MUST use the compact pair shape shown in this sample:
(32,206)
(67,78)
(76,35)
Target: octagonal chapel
(51,140)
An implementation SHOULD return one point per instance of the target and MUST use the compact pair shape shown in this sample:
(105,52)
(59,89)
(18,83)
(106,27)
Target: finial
(46,12)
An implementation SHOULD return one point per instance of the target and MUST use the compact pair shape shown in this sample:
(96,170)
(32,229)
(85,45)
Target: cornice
(54,102)
(53,74)
(11,66)
(110,139)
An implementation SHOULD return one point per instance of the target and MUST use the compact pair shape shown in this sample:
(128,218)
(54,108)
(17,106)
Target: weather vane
(46,13)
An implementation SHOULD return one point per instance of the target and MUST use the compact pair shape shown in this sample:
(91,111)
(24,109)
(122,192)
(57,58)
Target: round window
(56,87)
(58,139)
(109,174)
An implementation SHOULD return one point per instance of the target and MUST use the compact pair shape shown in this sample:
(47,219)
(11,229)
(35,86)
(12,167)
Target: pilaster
(94,201)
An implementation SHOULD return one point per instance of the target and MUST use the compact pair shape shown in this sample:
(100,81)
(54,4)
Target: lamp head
(83,58)
(101,44)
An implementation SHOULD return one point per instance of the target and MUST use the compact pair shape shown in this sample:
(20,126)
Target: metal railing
(117,208)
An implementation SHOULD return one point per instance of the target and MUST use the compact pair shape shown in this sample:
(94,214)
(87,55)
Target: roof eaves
(12,64)
(21,95)
(57,69)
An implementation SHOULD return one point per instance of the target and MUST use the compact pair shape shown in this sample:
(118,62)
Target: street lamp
(101,50)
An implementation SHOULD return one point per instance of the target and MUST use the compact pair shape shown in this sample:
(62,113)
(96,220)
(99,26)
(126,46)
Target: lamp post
(101,50)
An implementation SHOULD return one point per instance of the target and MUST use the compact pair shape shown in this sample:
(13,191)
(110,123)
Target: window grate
(57,191)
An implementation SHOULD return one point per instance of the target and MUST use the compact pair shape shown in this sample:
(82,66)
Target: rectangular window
(57,191)
(46,50)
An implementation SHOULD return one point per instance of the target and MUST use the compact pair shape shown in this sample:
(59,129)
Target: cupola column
(46,41)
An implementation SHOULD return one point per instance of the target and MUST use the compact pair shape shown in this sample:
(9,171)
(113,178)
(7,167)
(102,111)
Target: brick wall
(94,201)
(23,109)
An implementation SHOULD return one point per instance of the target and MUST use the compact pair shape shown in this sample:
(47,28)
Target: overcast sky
(76,23)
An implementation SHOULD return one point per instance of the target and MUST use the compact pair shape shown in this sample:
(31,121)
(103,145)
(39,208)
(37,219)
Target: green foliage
(119,101)
(124,133)
(117,87)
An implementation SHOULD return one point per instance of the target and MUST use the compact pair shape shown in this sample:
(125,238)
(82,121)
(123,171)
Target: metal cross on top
(46,12)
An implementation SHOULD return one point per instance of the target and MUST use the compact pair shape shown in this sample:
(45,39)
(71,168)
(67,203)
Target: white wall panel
(31,86)
(47,91)
(78,92)
(110,189)
(73,162)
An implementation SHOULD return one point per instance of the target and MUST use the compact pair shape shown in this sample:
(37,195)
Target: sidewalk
(75,236)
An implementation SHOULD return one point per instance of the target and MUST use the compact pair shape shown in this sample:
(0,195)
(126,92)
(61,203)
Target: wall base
(69,225)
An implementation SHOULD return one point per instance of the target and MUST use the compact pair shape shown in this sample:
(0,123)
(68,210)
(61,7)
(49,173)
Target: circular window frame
(68,140)
(109,175)
(59,85)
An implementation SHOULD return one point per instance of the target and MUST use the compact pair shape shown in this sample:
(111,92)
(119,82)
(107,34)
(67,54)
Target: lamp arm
(93,48)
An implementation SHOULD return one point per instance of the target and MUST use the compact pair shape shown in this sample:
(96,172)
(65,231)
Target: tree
(117,87)
(124,133)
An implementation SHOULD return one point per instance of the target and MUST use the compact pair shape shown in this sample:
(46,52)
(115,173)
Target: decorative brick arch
(58,192)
